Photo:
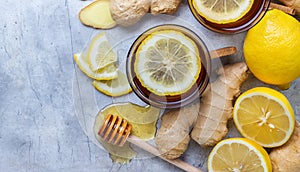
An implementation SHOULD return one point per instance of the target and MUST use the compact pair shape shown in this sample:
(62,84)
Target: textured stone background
(39,130)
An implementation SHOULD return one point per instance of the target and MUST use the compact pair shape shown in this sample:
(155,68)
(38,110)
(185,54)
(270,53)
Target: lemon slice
(107,73)
(100,53)
(116,87)
(167,63)
(265,116)
(239,154)
(222,11)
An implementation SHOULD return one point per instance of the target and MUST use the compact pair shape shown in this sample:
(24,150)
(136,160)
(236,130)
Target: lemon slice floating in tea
(222,11)
(167,63)
(265,116)
(100,53)
(238,154)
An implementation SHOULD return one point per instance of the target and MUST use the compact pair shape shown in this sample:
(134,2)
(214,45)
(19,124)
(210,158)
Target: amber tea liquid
(256,12)
(167,101)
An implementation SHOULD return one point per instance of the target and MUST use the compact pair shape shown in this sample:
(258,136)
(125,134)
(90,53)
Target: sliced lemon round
(107,73)
(265,116)
(239,154)
(100,53)
(115,87)
(222,11)
(167,63)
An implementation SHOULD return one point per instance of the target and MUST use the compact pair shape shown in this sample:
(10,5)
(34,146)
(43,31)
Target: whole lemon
(272,49)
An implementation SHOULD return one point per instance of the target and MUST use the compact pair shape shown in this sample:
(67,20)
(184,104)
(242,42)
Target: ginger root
(173,137)
(211,113)
(105,14)
(293,3)
(286,158)
(97,15)
(216,105)
(164,7)
(128,12)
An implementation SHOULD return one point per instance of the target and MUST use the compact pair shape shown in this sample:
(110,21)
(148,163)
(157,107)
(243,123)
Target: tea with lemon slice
(228,16)
(167,66)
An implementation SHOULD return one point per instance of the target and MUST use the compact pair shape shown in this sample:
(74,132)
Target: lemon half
(238,154)
(265,116)
(222,11)
(167,63)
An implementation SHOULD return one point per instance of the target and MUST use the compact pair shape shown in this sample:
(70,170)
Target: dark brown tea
(245,22)
(171,100)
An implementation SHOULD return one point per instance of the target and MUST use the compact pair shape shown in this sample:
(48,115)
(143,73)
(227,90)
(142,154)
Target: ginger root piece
(128,12)
(293,3)
(97,15)
(211,112)
(164,7)
(173,137)
(216,105)
(286,158)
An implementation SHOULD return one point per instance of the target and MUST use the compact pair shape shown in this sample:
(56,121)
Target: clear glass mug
(253,16)
(168,101)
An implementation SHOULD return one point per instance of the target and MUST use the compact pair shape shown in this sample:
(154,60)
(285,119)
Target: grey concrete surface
(39,128)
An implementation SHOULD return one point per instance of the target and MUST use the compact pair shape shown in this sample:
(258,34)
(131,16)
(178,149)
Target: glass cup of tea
(168,66)
(229,17)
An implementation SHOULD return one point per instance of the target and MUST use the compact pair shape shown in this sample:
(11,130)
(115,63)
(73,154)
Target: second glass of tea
(231,16)
(168,66)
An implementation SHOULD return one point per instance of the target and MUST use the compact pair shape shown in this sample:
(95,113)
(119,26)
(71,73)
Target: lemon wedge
(107,73)
(100,53)
(239,154)
(265,116)
(167,63)
(115,87)
(222,11)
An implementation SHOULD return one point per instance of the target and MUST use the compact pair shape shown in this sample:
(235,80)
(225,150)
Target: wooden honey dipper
(116,130)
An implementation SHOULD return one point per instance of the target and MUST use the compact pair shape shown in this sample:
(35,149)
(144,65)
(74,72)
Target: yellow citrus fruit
(272,49)
(115,87)
(239,154)
(100,53)
(167,63)
(107,73)
(265,116)
(221,11)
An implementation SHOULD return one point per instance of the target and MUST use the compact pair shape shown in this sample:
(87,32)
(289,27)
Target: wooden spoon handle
(222,52)
(153,150)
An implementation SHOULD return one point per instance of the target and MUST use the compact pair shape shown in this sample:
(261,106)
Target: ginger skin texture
(173,137)
(286,158)
(164,7)
(208,116)
(124,13)
(216,105)
(128,12)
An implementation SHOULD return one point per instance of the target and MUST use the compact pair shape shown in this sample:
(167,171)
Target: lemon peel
(108,73)
(115,87)
(100,53)
(271,49)
(265,116)
(239,154)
